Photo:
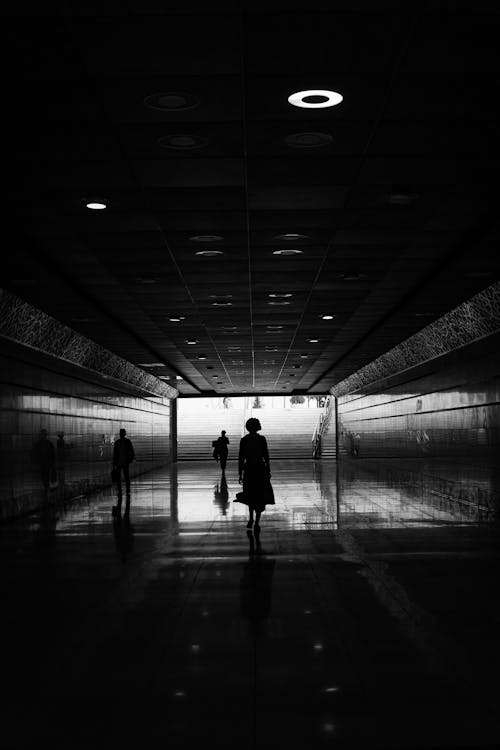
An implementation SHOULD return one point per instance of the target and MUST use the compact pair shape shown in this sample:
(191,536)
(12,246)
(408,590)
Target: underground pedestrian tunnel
(237,213)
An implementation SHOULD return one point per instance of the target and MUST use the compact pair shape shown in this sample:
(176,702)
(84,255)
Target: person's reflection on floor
(124,535)
(45,534)
(256,586)
(221,495)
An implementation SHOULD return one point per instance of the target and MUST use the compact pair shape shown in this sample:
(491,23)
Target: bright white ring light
(331,98)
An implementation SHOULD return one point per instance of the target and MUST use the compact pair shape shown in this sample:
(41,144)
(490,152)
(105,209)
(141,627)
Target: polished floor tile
(362,616)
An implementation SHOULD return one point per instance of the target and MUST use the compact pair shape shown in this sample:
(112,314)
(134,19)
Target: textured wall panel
(473,320)
(21,322)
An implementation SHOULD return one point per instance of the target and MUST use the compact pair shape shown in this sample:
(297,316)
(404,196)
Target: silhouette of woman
(254,472)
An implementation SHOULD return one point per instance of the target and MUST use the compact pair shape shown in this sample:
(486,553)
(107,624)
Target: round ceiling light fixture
(352,276)
(280,294)
(209,253)
(274,328)
(191,341)
(291,236)
(202,356)
(327,317)
(177,319)
(288,251)
(275,303)
(401,199)
(206,238)
(313,341)
(182,141)
(222,303)
(315,98)
(304,356)
(96,204)
(308,140)
(171,101)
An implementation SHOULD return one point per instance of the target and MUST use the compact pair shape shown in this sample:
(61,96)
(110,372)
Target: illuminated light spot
(315,98)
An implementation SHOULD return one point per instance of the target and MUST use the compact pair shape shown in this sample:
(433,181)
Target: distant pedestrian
(123,455)
(43,454)
(221,450)
(255,473)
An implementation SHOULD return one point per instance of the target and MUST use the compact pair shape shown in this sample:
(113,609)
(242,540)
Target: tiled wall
(439,429)
(39,392)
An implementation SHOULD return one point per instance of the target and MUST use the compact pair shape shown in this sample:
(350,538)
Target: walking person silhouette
(123,455)
(254,473)
(221,450)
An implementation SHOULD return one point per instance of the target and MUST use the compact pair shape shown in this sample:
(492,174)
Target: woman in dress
(255,472)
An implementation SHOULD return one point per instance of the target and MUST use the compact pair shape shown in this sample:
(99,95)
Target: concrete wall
(39,391)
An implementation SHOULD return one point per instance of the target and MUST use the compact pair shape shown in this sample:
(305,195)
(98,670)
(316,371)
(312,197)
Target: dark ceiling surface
(396,203)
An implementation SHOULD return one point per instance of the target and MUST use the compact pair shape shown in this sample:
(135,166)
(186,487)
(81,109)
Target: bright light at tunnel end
(330,98)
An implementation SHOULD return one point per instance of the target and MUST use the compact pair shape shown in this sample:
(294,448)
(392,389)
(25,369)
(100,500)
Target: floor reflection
(364,598)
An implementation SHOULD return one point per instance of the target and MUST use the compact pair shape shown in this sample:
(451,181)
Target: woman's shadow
(256,586)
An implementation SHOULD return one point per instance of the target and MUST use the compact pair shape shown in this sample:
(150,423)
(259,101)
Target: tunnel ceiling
(180,123)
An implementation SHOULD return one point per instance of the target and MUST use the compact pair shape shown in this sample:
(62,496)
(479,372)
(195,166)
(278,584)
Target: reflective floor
(362,615)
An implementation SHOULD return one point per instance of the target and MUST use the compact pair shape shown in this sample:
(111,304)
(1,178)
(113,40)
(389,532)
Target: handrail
(319,430)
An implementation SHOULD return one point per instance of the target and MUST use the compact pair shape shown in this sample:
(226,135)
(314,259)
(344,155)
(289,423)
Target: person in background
(221,450)
(43,454)
(123,455)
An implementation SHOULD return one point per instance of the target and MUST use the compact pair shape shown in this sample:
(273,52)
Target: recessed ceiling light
(478,274)
(315,98)
(222,304)
(352,276)
(288,251)
(191,341)
(278,294)
(151,364)
(215,377)
(202,356)
(269,361)
(274,328)
(209,253)
(271,348)
(291,236)
(304,356)
(266,372)
(220,296)
(164,377)
(327,317)
(308,140)
(278,303)
(171,101)
(401,199)
(96,204)
(313,341)
(182,141)
(24,282)
(177,320)
(206,238)
(179,377)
